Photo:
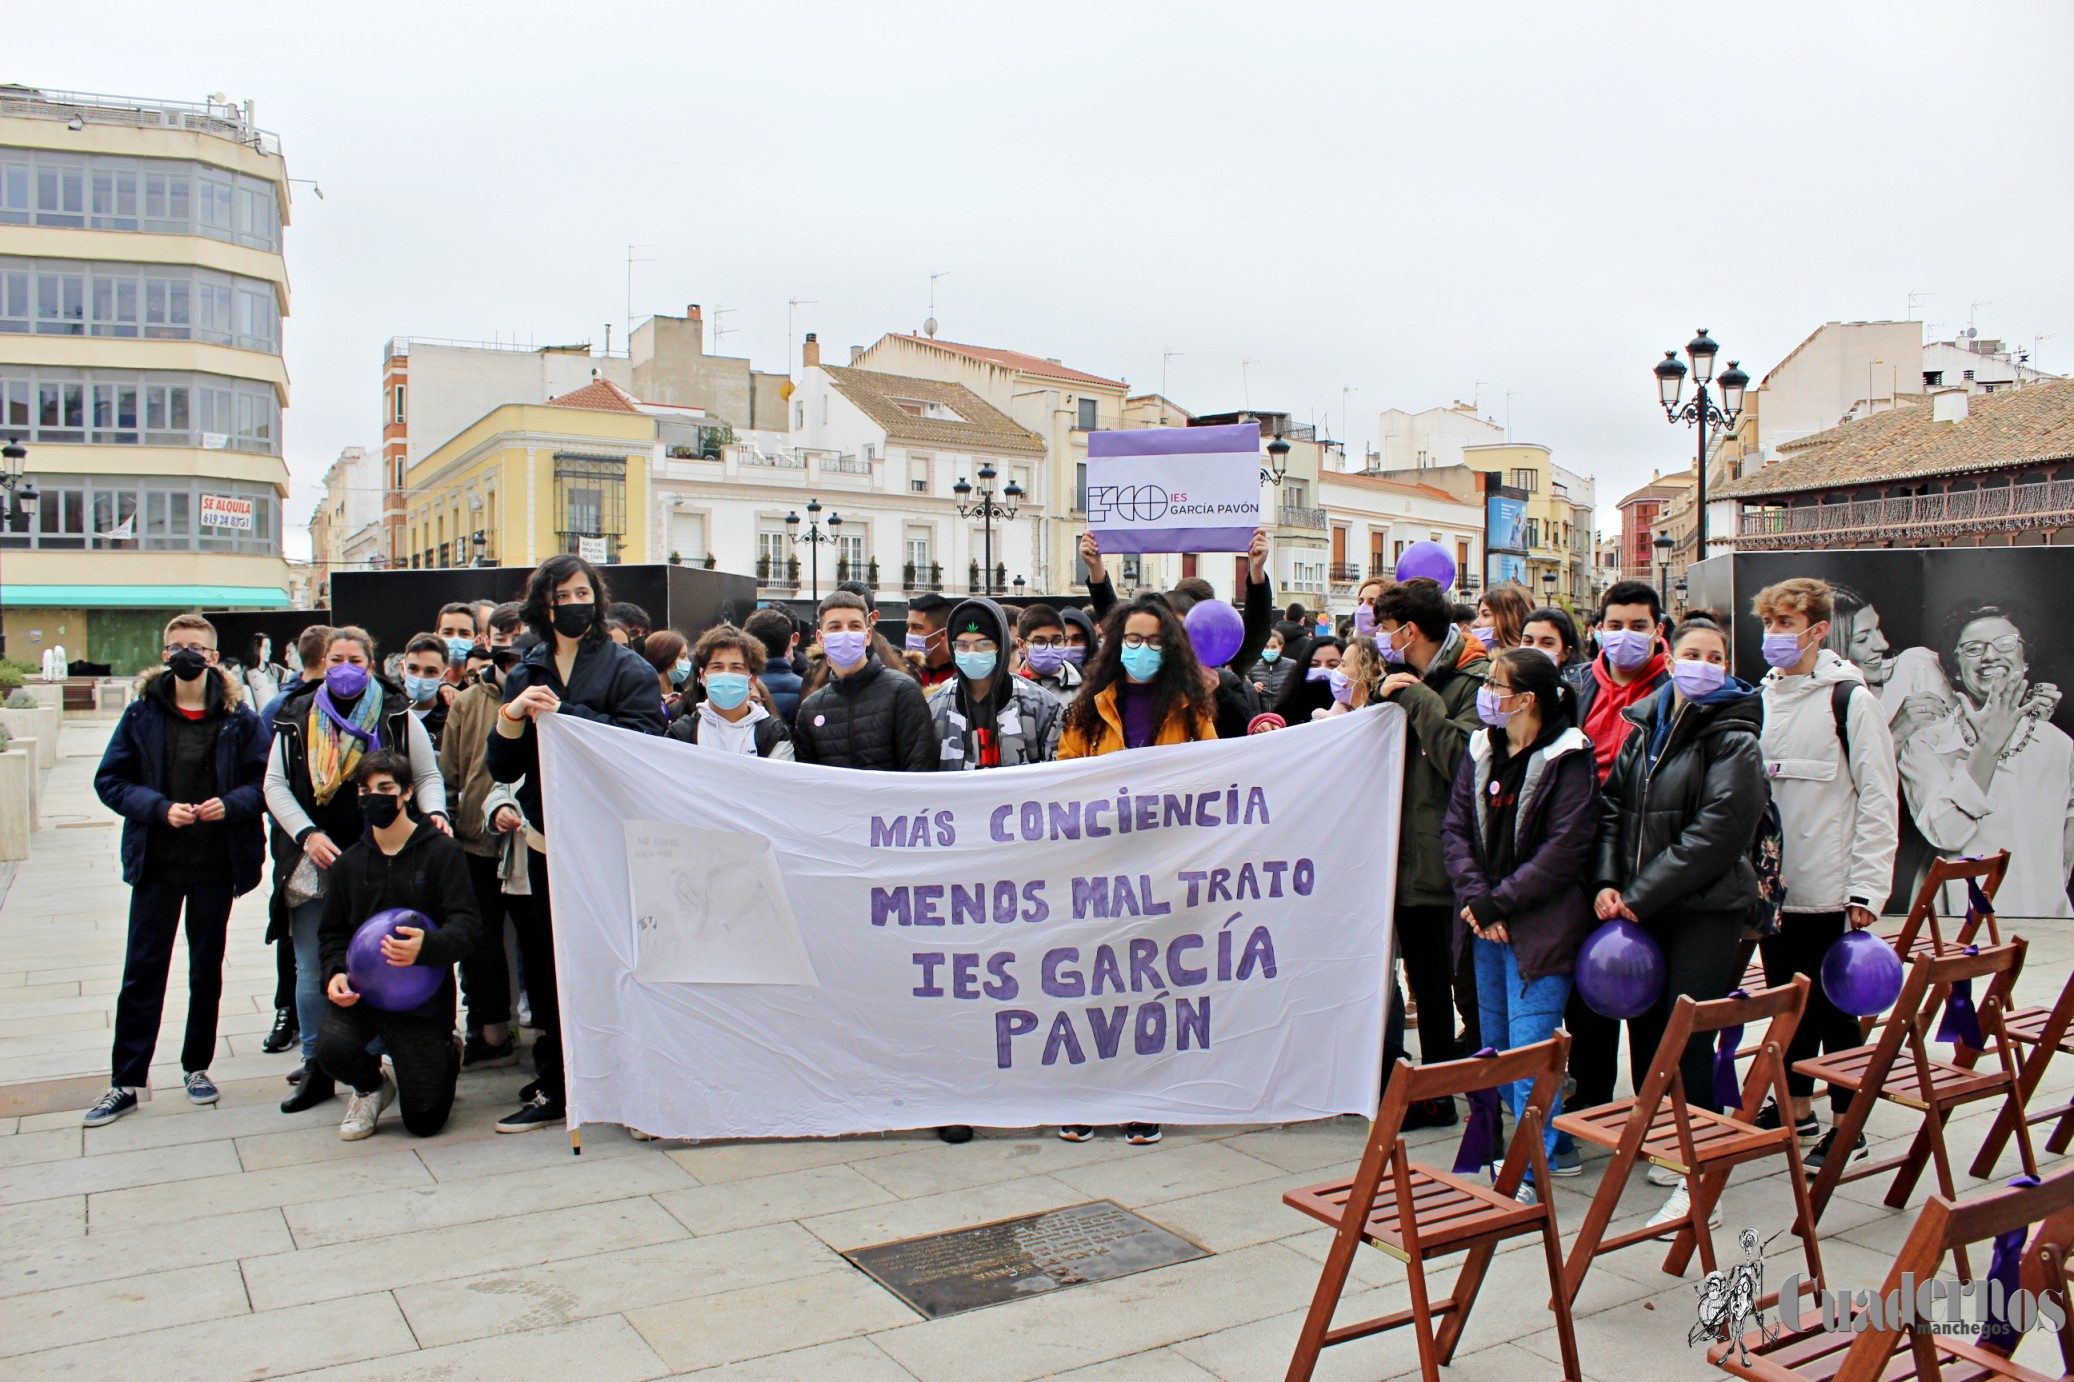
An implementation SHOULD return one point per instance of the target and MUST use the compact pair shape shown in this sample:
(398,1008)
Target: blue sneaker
(1567,1161)
(200,1088)
(109,1107)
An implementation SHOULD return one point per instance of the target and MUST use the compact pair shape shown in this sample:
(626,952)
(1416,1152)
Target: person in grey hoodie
(1830,759)
(985,716)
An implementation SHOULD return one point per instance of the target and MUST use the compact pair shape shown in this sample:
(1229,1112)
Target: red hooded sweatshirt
(1602,719)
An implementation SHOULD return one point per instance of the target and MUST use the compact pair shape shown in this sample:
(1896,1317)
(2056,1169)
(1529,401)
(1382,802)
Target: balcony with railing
(1964,513)
(775,460)
(834,462)
(1344,572)
(223,119)
(1292,516)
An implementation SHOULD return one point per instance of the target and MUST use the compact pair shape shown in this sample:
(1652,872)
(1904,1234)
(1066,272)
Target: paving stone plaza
(237,1242)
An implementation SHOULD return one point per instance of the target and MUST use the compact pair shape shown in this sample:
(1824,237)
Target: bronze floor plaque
(946,1273)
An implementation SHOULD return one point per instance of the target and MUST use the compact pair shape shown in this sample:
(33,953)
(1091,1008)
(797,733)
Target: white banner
(1190,934)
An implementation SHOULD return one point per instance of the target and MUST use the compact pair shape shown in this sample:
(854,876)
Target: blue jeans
(1512,1014)
(309,978)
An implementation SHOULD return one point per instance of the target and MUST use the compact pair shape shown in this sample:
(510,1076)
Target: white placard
(1187,934)
(591,549)
(221,511)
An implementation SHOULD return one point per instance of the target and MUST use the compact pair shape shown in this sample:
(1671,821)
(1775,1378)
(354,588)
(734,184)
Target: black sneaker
(1141,1134)
(284,1035)
(1076,1132)
(540,1113)
(1430,1113)
(955,1133)
(1819,1154)
(109,1107)
(528,1090)
(482,1055)
(1806,1129)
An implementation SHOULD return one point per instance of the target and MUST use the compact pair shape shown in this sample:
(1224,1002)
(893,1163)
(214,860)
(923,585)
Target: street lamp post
(986,509)
(480,541)
(16,494)
(1663,545)
(1702,410)
(813,537)
(1548,587)
(1277,467)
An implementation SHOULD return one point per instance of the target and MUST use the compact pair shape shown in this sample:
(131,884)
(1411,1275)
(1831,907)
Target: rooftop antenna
(1166,358)
(719,330)
(1912,303)
(929,326)
(791,303)
(1973,327)
(1346,413)
(1246,382)
(631,261)
(1510,394)
(1476,396)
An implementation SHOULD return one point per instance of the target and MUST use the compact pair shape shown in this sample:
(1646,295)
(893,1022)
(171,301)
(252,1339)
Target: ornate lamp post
(981,504)
(813,537)
(1702,410)
(1277,467)
(1663,545)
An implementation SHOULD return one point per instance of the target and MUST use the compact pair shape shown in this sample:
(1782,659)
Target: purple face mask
(1364,621)
(1696,679)
(1317,674)
(1342,686)
(845,649)
(1046,660)
(916,643)
(1625,648)
(346,680)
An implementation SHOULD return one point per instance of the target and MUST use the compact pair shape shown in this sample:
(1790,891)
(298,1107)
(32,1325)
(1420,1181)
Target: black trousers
(1700,950)
(486,974)
(1441,986)
(284,970)
(1803,939)
(421,1048)
(155,910)
(1594,1053)
(536,947)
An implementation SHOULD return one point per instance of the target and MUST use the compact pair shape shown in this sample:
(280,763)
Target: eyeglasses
(1137,640)
(2007,645)
(1499,690)
(983,646)
(189,647)
(1045,640)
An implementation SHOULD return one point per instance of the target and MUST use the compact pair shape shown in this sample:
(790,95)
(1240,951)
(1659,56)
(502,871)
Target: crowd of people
(1555,778)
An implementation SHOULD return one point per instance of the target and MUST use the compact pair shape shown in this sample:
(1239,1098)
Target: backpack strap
(767,730)
(1840,708)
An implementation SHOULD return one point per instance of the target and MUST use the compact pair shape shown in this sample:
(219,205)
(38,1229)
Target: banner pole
(576,1142)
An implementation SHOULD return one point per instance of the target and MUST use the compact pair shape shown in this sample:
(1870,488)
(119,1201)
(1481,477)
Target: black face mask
(379,809)
(574,621)
(187,664)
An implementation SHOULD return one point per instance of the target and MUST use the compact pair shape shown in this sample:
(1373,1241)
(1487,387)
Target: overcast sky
(1403,198)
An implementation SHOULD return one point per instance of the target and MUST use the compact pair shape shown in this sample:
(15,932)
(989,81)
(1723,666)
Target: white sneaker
(1676,1208)
(1526,1194)
(363,1110)
(1664,1176)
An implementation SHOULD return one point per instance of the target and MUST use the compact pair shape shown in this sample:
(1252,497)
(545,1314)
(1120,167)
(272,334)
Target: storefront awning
(20,596)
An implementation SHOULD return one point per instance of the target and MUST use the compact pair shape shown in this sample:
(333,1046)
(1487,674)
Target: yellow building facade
(143,295)
(1558,529)
(532,480)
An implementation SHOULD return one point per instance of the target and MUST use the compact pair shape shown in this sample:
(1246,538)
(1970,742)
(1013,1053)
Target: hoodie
(428,875)
(1018,721)
(1602,702)
(1841,816)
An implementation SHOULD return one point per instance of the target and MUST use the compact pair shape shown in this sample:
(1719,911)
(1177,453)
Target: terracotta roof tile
(600,395)
(1017,360)
(2010,427)
(983,424)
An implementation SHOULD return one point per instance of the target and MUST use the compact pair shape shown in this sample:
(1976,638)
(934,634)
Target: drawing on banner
(1174,489)
(710,908)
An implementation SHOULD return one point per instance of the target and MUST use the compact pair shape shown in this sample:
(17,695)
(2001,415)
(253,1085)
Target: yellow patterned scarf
(337,741)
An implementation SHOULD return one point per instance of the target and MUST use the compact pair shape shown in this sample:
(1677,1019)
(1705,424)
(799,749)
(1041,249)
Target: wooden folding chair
(1874,1348)
(1660,1126)
(1931,1088)
(2045,1033)
(1920,929)
(1417,1213)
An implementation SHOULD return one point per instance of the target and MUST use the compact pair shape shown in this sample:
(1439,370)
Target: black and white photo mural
(1967,649)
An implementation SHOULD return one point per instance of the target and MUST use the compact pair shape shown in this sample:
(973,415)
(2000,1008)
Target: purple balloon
(1216,630)
(392,988)
(1427,559)
(1861,974)
(1620,970)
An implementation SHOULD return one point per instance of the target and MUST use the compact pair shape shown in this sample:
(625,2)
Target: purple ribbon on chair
(1728,1092)
(1480,1137)
(1961,1024)
(1977,904)
(2005,1265)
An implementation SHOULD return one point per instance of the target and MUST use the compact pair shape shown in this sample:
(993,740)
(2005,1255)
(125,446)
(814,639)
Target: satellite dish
(929,328)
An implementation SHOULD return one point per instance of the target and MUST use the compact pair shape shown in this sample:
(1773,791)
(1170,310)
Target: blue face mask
(457,649)
(1270,654)
(1141,664)
(421,688)
(680,674)
(1695,679)
(975,666)
(726,689)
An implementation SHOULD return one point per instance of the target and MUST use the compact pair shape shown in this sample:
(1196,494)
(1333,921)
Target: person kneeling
(402,861)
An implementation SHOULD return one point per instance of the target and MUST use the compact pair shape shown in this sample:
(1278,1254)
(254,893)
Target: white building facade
(1372,521)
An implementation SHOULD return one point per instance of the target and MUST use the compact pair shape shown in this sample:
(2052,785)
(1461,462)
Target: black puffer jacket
(608,685)
(872,718)
(1677,838)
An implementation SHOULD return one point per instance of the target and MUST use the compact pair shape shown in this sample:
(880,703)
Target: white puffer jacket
(1841,820)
